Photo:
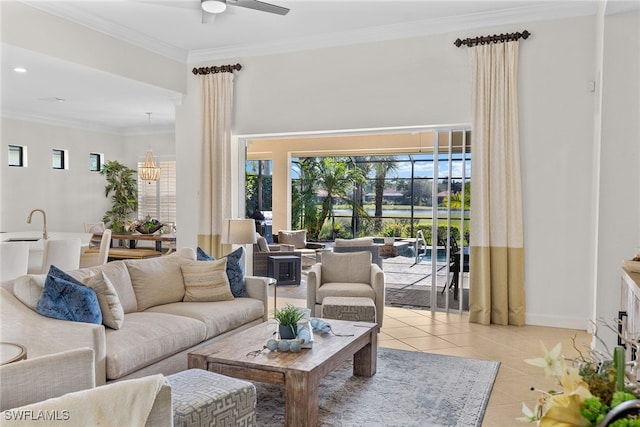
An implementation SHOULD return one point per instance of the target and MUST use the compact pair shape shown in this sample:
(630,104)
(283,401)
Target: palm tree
(304,197)
(382,166)
(337,179)
(359,213)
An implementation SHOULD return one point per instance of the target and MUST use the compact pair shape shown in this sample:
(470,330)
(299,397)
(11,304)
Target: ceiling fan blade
(258,5)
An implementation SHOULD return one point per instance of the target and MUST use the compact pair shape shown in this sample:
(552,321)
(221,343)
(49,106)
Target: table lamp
(240,232)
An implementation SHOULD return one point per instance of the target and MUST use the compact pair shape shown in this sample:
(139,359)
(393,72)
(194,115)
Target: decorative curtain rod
(219,69)
(496,38)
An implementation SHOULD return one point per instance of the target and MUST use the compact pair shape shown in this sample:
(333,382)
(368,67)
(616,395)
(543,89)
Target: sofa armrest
(41,378)
(314,279)
(378,284)
(42,335)
(258,288)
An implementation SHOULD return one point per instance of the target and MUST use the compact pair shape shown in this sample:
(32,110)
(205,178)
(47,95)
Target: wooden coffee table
(300,373)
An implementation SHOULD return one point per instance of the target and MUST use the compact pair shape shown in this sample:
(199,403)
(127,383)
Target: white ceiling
(174,28)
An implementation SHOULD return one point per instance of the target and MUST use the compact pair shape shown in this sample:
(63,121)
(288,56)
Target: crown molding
(85,126)
(73,14)
(539,12)
(547,10)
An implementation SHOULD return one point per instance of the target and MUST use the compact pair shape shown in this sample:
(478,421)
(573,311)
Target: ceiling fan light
(213,6)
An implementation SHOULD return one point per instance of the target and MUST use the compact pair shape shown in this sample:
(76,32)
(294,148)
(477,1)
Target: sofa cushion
(219,317)
(118,274)
(346,267)
(147,337)
(157,281)
(206,281)
(342,289)
(28,289)
(235,269)
(235,272)
(65,298)
(112,312)
(297,238)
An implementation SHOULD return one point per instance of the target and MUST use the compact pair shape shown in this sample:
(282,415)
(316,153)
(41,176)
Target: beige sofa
(62,385)
(158,329)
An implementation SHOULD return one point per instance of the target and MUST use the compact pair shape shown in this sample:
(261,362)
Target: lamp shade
(239,231)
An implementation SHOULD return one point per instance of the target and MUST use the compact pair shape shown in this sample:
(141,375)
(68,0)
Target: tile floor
(452,334)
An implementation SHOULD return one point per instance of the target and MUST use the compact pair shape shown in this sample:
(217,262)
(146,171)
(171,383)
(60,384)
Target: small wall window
(59,159)
(17,156)
(95,162)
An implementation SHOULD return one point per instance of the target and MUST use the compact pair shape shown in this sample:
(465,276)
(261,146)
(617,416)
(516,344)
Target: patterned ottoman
(203,398)
(349,308)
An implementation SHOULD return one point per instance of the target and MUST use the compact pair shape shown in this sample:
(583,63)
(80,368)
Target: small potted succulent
(288,318)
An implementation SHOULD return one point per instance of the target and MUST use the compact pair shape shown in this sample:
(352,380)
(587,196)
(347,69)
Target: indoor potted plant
(124,194)
(288,318)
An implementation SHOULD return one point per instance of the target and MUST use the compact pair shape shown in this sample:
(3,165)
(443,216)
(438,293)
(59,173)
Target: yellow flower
(563,411)
(551,361)
(573,384)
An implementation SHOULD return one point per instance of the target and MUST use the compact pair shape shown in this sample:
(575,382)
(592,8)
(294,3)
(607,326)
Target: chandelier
(149,171)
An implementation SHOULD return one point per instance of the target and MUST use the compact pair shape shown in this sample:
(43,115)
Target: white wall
(70,197)
(425,81)
(619,187)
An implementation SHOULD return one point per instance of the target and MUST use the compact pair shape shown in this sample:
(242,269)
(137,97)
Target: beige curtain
(215,159)
(497,251)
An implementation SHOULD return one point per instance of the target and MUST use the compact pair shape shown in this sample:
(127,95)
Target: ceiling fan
(219,6)
(212,8)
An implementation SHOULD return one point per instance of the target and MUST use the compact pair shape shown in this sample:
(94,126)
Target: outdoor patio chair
(358,245)
(263,250)
(297,238)
(455,256)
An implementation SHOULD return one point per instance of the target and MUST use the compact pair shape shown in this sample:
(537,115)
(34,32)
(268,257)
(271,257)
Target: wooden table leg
(365,361)
(301,399)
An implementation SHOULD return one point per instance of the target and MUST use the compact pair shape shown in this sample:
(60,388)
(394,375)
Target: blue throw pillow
(68,299)
(201,255)
(235,269)
(235,273)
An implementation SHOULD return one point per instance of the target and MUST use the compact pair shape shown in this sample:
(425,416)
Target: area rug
(409,389)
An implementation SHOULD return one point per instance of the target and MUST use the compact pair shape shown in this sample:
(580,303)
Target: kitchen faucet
(44,219)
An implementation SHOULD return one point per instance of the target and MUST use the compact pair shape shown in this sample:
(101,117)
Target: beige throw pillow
(112,311)
(206,281)
(157,281)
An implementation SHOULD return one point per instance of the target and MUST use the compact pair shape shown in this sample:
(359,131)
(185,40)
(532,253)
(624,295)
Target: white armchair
(346,275)
(64,384)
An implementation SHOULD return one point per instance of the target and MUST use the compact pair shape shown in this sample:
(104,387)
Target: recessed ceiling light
(20,69)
